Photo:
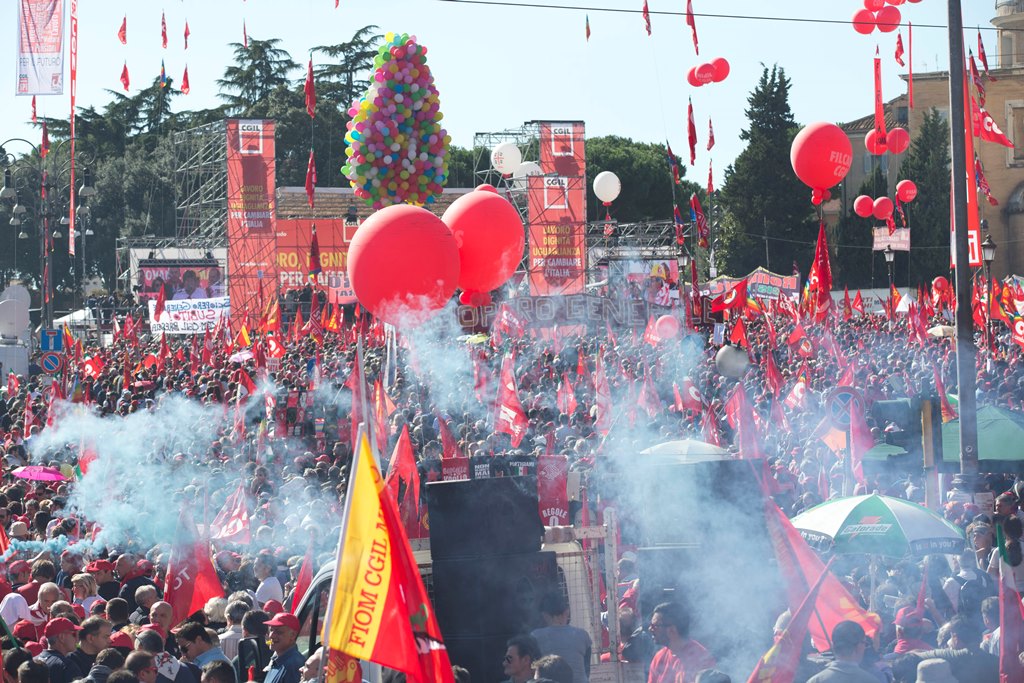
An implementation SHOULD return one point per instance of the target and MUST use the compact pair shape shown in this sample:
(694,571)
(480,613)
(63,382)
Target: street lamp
(890,258)
(988,255)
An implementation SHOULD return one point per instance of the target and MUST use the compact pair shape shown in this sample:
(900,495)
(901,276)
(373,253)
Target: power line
(623,10)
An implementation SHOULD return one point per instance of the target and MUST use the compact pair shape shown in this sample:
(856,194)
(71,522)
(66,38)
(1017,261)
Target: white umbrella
(688,450)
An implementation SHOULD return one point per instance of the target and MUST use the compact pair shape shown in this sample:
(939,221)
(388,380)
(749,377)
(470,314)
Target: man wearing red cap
(286,662)
(910,626)
(62,639)
(103,572)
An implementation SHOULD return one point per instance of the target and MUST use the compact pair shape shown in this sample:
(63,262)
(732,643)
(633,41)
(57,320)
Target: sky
(497,67)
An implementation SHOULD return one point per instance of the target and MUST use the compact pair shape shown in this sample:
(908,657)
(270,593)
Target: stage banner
(333,237)
(252,237)
(557,202)
(761,284)
(40,47)
(542,312)
(898,240)
(188,316)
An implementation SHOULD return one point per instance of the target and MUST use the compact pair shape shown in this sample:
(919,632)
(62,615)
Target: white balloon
(732,361)
(607,186)
(505,157)
(522,172)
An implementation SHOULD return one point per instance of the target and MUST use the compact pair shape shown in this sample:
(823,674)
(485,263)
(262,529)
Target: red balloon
(888,19)
(466,298)
(864,21)
(821,155)
(691,77)
(895,2)
(721,67)
(875,143)
(403,264)
(826,195)
(489,234)
(667,327)
(705,73)
(940,284)
(817,196)
(874,5)
(882,208)
(863,206)
(898,140)
(906,190)
(486,188)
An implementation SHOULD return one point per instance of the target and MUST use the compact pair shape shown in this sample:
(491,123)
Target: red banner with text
(333,237)
(252,238)
(557,206)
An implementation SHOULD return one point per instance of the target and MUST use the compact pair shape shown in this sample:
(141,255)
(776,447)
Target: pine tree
(768,218)
(927,164)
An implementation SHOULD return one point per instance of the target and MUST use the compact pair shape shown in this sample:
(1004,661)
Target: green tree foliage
(346,78)
(643,169)
(258,71)
(927,164)
(762,198)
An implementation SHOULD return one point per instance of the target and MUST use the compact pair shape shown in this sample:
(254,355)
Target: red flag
(310,90)
(313,265)
(187,34)
(879,103)
(510,418)
(858,303)
(191,578)
(33,109)
(711,180)
(820,277)
(733,298)
(161,304)
(740,414)
(982,181)
(304,579)
(899,49)
(709,429)
(947,410)
(311,180)
(738,335)
(711,138)
(797,398)
(163,35)
(449,444)
(12,384)
(690,397)
(979,84)
(910,62)
(673,164)
(231,524)
(565,396)
(692,24)
(588,24)
(985,126)
(691,132)
(44,145)
(780,663)
(125,81)
(847,306)
(245,36)
(402,470)
(697,212)
(603,396)
(799,566)
(772,375)
(185,87)
(122,33)
(647,18)
(649,400)
(982,56)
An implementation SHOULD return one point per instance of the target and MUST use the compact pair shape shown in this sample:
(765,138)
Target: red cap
(286,619)
(909,617)
(99,566)
(272,607)
(121,639)
(19,566)
(60,625)
(24,630)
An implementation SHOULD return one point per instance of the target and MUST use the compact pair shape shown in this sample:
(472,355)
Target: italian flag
(1011,618)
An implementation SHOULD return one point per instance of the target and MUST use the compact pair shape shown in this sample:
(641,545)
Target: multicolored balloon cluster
(397,151)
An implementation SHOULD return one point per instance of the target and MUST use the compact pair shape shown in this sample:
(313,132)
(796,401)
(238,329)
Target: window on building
(902,115)
(1006,50)
(1015,128)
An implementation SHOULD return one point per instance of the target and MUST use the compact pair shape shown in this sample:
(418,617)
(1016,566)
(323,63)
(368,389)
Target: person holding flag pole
(378,609)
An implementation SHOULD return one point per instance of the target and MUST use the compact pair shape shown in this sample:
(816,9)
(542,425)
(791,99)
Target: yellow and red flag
(379,610)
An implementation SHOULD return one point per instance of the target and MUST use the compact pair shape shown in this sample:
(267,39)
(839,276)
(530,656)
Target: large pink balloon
(882,209)
(821,155)
(721,67)
(667,327)
(906,190)
(888,19)
(875,143)
(403,264)
(864,21)
(704,74)
(874,5)
(490,237)
(863,206)
(898,140)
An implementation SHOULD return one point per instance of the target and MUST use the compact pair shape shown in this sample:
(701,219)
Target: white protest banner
(40,58)
(189,316)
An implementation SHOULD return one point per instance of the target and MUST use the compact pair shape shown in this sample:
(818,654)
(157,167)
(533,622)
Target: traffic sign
(838,403)
(51,340)
(51,362)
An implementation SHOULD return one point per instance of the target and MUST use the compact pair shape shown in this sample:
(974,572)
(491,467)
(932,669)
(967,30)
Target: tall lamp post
(47,180)
(988,255)
(890,258)
(684,270)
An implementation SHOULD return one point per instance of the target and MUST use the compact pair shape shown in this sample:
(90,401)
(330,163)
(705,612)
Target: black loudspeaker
(481,656)
(484,517)
(492,596)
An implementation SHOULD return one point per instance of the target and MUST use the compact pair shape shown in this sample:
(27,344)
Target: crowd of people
(82,592)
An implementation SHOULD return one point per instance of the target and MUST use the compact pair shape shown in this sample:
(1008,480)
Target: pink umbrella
(38,473)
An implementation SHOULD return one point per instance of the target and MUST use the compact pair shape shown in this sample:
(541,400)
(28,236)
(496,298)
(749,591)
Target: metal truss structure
(527,138)
(201,184)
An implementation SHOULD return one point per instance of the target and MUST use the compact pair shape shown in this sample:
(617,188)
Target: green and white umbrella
(878,525)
